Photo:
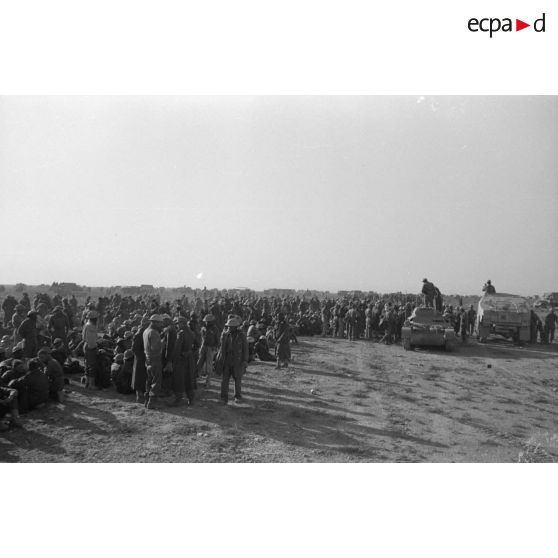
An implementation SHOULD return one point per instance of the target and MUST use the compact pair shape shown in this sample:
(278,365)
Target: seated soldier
(9,404)
(16,370)
(33,388)
(128,336)
(59,352)
(120,346)
(252,336)
(116,366)
(17,353)
(262,350)
(6,346)
(122,377)
(55,374)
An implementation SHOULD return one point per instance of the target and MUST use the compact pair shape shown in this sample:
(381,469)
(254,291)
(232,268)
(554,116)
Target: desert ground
(340,401)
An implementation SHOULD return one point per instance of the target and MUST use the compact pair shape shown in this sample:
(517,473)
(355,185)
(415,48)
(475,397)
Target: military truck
(503,314)
(427,327)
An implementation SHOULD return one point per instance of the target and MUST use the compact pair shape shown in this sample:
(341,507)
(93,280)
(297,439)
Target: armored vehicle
(503,314)
(427,327)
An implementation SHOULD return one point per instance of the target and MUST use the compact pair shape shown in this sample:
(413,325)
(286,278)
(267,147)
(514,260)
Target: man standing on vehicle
(429,292)
(488,288)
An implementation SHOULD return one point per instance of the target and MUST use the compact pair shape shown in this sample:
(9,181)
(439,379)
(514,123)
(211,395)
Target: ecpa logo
(494,24)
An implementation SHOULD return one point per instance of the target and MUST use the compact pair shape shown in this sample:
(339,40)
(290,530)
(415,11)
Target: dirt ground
(340,401)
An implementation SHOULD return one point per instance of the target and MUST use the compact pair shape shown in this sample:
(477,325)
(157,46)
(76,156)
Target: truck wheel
(449,346)
(407,344)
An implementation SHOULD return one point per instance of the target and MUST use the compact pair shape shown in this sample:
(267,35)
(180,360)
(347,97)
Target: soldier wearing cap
(89,335)
(209,347)
(153,348)
(233,356)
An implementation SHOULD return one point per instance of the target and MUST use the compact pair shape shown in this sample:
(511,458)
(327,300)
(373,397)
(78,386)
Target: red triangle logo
(519,25)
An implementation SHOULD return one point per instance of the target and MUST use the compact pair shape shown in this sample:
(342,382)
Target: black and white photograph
(279,279)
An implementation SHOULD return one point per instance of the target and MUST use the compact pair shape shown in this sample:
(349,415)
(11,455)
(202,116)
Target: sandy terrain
(341,401)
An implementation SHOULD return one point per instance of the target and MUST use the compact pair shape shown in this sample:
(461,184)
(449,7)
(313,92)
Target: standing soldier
(463,324)
(8,306)
(550,325)
(28,332)
(283,342)
(194,326)
(471,318)
(369,317)
(168,339)
(139,372)
(183,363)
(535,326)
(89,336)
(233,356)
(59,325)
(429,292)
(17,319)
(209,347)
(351,320)
(153,347)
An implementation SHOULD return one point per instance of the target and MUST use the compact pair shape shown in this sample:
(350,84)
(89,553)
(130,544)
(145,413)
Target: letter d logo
(539,24)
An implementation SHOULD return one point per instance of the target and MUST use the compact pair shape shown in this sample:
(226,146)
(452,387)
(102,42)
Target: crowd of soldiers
(158,350)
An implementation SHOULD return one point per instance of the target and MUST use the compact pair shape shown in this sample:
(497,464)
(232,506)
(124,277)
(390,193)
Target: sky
(318,192)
